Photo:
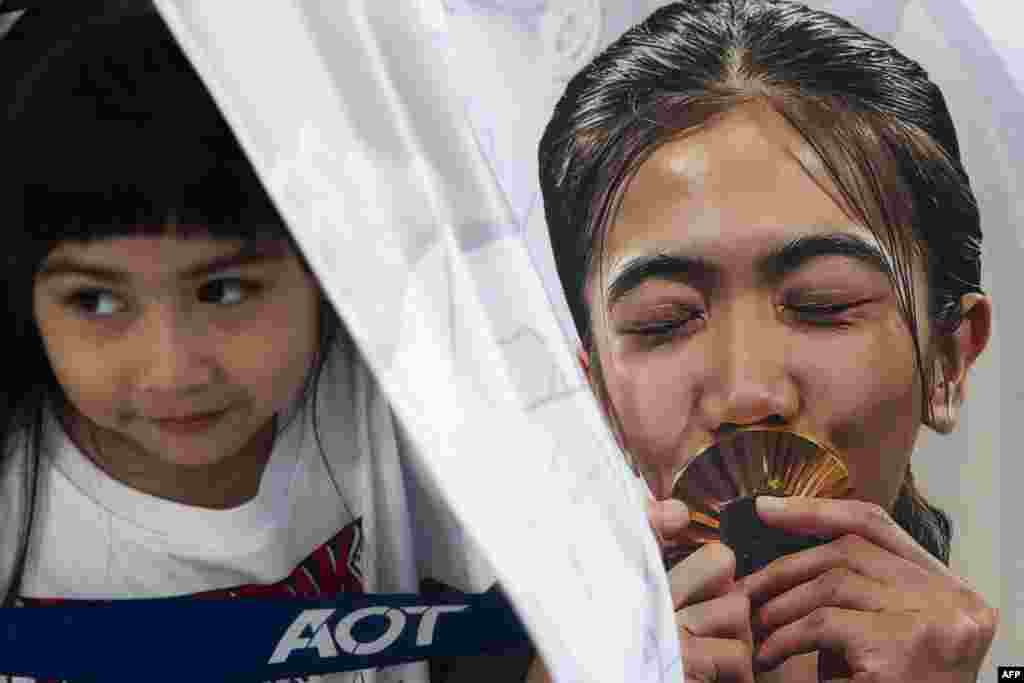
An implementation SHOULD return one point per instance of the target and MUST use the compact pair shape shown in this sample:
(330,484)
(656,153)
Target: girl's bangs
(221,202)
(116,135)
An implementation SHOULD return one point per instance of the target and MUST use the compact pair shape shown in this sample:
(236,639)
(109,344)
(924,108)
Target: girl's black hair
(110,132)
(879,125)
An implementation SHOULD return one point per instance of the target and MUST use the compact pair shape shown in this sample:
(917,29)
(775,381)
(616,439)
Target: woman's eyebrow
(690,270)
(773,266)
(793,255)
(251,253)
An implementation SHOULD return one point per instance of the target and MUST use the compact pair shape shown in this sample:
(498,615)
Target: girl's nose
(174,352)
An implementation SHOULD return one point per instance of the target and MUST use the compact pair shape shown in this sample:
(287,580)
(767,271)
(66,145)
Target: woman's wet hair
(879,126)
(111,133)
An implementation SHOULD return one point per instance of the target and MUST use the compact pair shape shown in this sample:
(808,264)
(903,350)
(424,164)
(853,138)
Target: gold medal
(728,474)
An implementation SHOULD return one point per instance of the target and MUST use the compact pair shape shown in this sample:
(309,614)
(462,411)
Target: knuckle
(849,543)
(740,651)
(871,676)
(957,640)
(696,670)
(707,666)
(710,659)
(819,619)
(873,514)
(744,602)
(829,586)
(813,505)
(967,638)
(986,616)
(738,602)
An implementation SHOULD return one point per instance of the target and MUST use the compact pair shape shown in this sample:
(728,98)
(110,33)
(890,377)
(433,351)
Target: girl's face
(733,289)
(180,351)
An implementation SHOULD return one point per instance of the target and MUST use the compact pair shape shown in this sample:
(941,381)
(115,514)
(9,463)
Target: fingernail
(770,504)
(676,507)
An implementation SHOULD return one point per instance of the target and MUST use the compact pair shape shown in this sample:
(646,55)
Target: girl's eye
(96,303)
(228,291)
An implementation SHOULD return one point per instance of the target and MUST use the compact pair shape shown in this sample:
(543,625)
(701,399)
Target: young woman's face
(733,289)
(179,350)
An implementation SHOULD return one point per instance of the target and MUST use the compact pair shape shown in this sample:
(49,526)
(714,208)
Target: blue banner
(175,639)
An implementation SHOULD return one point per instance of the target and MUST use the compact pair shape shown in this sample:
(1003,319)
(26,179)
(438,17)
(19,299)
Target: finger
(832,518)
(538,672)
(668,518)
(848,552)
(718,660)
(837,587)
(848,634)
(724,617)
(704,575)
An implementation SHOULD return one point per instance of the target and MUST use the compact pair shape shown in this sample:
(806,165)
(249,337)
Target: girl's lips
(190,425)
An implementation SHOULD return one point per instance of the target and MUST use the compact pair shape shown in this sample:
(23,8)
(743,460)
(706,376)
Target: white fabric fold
(347,113)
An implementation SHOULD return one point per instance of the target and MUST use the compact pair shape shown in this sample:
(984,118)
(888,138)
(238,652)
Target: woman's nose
(749,380)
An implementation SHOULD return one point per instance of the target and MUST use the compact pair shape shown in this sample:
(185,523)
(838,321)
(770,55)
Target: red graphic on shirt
(331,569)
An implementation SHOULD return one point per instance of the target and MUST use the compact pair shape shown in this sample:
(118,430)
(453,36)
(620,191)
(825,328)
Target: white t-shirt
(356,516)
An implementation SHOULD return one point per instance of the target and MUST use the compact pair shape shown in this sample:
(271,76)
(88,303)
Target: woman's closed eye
(662,325)
(823,313)
(670,322)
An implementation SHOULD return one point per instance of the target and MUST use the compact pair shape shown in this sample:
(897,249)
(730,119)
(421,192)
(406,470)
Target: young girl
(186,414)
(760,216)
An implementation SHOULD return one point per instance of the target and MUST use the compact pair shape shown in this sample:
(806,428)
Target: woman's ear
(954,357)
